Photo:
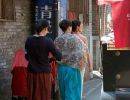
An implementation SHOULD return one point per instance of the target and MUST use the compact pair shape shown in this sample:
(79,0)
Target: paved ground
(92,88)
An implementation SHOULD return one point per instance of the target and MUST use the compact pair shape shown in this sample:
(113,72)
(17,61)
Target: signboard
(43,10)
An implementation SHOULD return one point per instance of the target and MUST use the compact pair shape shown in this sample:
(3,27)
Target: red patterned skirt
(39,86)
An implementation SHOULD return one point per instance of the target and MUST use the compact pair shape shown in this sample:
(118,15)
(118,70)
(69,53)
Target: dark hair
(42,23)
(75,23)
(64,24)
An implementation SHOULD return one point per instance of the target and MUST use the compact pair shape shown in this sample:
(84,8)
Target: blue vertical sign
(62,8)
(43,10)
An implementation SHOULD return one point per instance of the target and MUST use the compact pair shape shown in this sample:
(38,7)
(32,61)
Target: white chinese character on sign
(46,7)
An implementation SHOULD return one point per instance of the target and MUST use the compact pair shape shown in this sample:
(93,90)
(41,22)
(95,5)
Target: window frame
(3,11)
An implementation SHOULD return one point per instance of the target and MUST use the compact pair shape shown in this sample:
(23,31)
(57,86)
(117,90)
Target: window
(7,12)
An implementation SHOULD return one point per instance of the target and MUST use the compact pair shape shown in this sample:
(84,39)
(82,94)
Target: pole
(55,18)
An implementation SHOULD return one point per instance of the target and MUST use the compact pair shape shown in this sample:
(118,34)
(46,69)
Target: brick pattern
(95,18)
(12,37)
(95,33)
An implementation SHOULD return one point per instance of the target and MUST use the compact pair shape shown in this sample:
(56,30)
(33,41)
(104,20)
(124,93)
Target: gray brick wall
(95,18)
(12,37)
(95,33)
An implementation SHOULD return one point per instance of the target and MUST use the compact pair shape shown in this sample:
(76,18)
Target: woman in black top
(38,48)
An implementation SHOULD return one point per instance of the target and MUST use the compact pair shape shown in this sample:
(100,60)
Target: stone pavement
(92,88)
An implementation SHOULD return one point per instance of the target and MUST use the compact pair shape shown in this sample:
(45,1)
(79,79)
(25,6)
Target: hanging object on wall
(72,15)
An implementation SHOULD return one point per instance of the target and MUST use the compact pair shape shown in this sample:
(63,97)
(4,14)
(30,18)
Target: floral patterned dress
(70,67)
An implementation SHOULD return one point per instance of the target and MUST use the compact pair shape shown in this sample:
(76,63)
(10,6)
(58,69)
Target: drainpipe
(55,18)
